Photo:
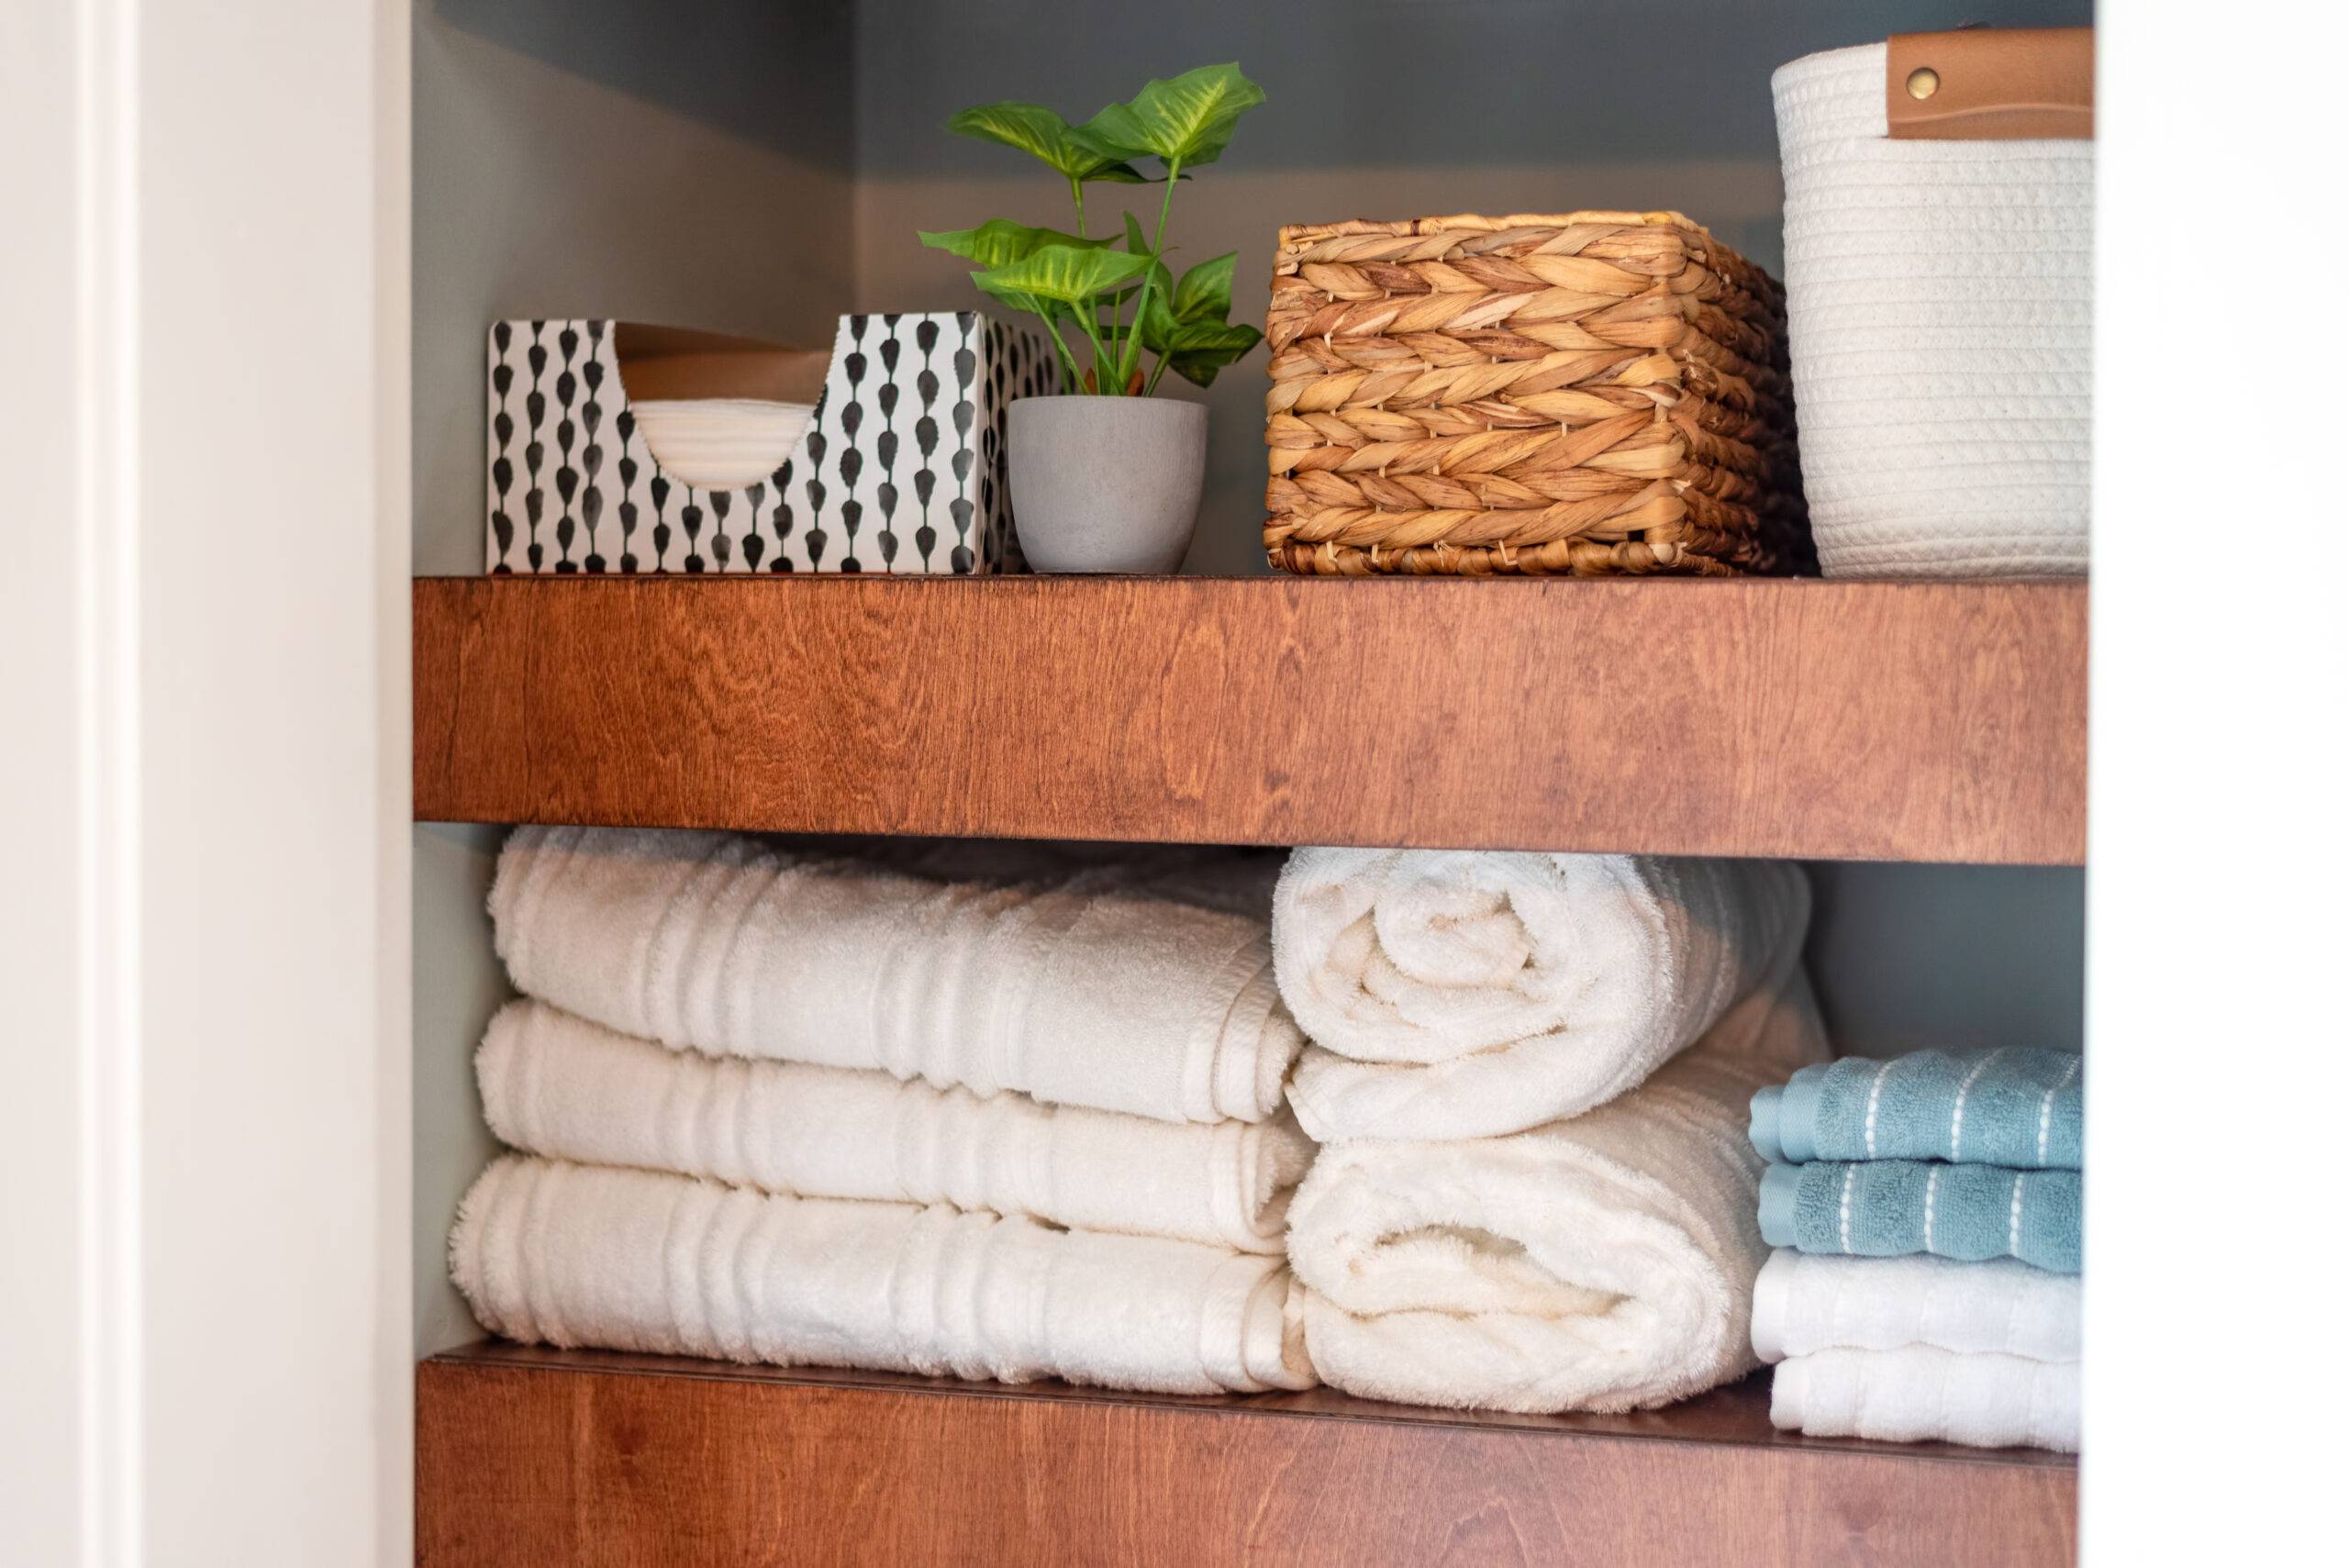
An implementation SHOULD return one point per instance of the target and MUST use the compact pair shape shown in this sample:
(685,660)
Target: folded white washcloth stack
(721,443)
(998,1113)
(1535,1194)
(1912,1347)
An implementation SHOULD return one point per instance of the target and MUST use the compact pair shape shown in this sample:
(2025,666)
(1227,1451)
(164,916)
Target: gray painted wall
(1906,956)
(758,167)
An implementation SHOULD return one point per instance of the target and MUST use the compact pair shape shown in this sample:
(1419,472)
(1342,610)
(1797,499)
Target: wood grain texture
(537,1457)
(1806,718)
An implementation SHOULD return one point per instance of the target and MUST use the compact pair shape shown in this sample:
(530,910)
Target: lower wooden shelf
(540,1457)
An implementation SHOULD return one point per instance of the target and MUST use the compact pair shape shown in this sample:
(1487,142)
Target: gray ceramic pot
(1107,484)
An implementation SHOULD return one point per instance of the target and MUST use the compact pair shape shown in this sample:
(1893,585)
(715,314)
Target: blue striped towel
(1887,1208)
(2017,1106)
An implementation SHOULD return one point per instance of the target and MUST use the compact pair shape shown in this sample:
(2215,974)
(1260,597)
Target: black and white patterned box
(901,469)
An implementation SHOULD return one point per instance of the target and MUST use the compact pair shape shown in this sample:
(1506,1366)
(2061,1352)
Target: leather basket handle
(1991,84)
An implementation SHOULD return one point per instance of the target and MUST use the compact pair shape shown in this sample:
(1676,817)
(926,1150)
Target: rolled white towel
(1604,1263)
(1923,1394)
(1468,994)
(554,1084)
(1077,991)
(556,1253)
(1806,1302)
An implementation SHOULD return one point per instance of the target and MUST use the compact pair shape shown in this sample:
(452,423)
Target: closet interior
(761,170)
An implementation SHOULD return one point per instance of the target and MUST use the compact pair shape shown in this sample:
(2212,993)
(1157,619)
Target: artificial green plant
(1082,285)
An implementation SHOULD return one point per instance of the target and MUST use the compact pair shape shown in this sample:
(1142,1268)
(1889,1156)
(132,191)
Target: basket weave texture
(1592,394)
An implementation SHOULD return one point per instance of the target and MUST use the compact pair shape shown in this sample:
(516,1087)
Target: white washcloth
(1922,1394)
(1467,994)
(1605,1262)
(554,1083)
(562,1254)
(1081,992)
(1939,295)
(1805,1302)
(720,443)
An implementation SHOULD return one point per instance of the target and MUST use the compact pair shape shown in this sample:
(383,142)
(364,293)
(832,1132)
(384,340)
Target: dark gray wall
(1444,83)
(1907,956)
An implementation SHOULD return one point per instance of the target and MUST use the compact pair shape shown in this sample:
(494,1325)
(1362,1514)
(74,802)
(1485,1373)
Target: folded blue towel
(2017,1105)
(1887,1208)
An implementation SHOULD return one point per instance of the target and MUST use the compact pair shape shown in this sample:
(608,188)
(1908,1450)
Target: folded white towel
(555,1254)
(554,1084)
(721,443)
(1922,1394)
(1452,994)
(1807,1302)
(1604,1263)
(1084,992)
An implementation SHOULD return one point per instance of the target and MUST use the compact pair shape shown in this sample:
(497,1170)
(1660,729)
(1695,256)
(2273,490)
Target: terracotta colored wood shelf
(534,1457)
(1816,720)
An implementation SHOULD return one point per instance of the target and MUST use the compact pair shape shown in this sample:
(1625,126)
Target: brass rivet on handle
(1924,82)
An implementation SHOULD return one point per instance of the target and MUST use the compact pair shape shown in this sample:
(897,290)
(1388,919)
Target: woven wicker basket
(1596,393)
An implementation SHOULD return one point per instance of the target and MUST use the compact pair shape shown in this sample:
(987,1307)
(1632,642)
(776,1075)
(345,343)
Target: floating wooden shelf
(532,1457)
(1804,718)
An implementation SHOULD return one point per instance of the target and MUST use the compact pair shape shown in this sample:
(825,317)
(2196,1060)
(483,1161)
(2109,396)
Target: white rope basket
(1938,308)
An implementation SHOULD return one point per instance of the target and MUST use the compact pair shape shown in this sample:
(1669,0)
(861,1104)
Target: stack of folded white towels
(943,1109)
(1530,1074)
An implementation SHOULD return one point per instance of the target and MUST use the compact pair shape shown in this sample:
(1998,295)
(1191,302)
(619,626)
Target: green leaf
(1199,364)
(1188,120)
(1161,333)
(1068,275)
(1205,293)
(1137,245)
(1160,281)
(1193,349)
(999,240)
(1042,134)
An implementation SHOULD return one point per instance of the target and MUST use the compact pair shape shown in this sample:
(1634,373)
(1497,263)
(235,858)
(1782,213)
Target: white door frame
(203,800)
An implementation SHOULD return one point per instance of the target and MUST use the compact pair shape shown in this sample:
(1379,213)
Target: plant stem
(1117,319)
(1102,366)
(1076,189)
(1152,386)
(1174,172)
(1130,360)
(1068,361)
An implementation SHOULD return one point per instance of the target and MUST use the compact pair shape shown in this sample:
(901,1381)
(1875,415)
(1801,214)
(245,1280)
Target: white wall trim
(394,888)
(112,1296)
(203,628)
